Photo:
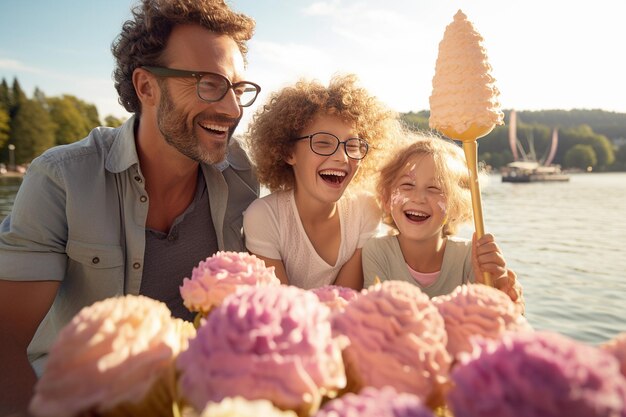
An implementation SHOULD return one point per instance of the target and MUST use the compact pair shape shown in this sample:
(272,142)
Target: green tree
(88,111)
(496,160)
(70,123)
(580,156)
(5,118)
(17,98)
(4,126)
(416,121)
(39,96)
(73,117)
(32,131)
(584,135)
(5,95)
(620,159)
(91,113)
(113,121)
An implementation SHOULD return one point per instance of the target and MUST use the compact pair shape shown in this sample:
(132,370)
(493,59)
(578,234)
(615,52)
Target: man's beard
(173,126)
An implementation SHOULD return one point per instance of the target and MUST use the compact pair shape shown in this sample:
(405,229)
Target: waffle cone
(156,403)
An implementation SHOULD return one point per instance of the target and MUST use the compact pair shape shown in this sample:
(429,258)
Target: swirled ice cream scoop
(476,310)
(221,275)
(617,348)
(271,343)
(397,338)
(537,374)
(111,355)
(383,402)
(464,104)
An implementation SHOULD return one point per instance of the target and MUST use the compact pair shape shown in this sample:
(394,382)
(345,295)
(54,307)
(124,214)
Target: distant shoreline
(11,174)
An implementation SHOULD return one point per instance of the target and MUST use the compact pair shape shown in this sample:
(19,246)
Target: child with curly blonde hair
(424,190)
(309,142)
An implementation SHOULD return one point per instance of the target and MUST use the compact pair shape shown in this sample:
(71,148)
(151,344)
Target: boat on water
(531,171)
(526,168)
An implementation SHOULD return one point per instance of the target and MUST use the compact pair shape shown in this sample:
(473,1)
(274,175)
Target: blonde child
(424,192)
(309,143)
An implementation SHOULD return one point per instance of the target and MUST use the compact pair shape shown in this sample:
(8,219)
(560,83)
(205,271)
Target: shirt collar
(123,153)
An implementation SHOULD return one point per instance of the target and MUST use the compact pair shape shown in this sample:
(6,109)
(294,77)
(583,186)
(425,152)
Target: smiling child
(310,144)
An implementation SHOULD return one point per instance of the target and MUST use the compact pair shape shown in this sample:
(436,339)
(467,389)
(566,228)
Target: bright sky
(545,54)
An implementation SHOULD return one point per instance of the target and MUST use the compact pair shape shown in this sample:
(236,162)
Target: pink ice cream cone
(223,274)
(271,343)
(537,374)
(464,91)
(397,338)
(116,357)
(476,310)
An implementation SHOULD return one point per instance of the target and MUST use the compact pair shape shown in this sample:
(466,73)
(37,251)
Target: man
(132,210)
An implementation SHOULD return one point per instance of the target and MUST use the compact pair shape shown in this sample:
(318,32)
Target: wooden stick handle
(471,155)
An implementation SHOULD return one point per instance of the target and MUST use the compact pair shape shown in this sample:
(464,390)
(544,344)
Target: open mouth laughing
(214,129)
(334,177)
(416,216)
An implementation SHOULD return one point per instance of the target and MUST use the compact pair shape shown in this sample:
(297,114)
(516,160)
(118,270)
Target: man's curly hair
(143,39)
(451,173)
(290,110)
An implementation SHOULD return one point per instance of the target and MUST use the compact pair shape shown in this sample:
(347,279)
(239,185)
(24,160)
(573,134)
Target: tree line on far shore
(593,139)
(587,138)
(29,126)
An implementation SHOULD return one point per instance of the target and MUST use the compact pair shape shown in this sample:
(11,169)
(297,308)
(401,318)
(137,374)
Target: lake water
(564,241)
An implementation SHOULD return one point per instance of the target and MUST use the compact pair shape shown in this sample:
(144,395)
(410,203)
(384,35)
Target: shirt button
(95,260)
(143,198)
(136,265)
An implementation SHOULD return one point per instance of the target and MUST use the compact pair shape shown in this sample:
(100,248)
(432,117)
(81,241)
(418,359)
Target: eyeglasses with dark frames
(325,144)
(212,87)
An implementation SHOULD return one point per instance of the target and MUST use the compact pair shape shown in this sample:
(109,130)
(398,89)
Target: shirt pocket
(96,256)
(94,272)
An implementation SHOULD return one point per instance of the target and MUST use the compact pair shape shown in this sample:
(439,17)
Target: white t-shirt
(273,229)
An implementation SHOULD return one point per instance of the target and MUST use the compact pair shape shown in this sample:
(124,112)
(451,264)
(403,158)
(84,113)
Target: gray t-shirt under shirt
(171,256)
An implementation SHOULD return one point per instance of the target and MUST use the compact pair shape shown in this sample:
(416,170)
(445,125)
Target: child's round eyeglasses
(325,144)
